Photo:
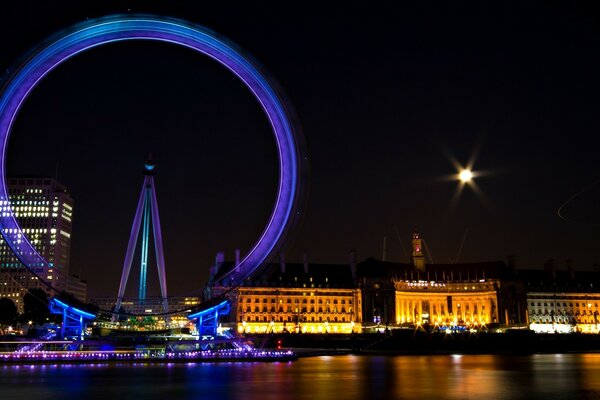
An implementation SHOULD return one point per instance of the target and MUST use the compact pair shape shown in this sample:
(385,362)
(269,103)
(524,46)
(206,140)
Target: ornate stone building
(562,301)
(458,294)
(293,297)
(374,294)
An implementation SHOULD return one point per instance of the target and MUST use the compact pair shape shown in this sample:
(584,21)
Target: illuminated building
(446,303)
(44,210)
(562,301)
(294,298)
(440,294)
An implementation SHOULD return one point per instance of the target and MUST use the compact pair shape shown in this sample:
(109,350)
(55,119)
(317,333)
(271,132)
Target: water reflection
(550,376)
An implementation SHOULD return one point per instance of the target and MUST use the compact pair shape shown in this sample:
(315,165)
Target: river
(543,376)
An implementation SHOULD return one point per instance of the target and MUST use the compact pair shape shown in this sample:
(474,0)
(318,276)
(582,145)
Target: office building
(44,210)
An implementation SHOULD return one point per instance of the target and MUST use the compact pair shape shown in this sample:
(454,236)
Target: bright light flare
(465,175)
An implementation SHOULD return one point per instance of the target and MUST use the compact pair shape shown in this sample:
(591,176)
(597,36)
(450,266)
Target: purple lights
(159,356)
(119,28)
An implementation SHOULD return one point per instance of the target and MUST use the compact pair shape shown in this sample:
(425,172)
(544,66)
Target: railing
(433,286)
(32,347)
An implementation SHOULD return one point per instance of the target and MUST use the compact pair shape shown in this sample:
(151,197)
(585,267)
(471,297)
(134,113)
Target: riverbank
(92,357)
(289,347)
(419,342)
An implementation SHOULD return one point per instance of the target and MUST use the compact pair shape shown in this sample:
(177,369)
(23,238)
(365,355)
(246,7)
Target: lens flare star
(465,175)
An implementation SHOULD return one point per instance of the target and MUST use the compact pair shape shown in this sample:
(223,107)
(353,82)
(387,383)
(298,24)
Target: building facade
(562,301)
(44,210)
(297,310)
(442,294)
(294,298)
(460,294)
(374,295)
(446,303)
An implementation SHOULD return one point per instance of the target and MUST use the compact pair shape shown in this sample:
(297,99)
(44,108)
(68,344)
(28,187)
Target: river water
(544,376)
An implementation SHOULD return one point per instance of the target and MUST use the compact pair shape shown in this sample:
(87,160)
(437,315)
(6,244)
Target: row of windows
(564,320)
(25,208)
(16,231)
(11,294)
(539,304)
(297,301)
(291,319)
(577,312)
(466,307)
(303,309)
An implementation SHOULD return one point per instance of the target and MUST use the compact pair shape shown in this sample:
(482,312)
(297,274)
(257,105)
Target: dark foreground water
(555,376)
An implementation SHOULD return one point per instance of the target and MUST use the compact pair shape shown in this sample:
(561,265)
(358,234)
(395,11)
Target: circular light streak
(465,175)
(121,28)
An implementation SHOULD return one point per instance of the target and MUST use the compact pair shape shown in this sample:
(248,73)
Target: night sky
(386,96)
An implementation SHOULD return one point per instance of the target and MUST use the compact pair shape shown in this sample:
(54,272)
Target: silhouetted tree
(8,311)
(35,306)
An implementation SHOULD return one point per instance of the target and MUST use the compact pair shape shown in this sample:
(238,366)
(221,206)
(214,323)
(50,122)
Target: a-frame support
(147,210)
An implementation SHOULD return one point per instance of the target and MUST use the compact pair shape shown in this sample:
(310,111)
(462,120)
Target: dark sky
(385,94)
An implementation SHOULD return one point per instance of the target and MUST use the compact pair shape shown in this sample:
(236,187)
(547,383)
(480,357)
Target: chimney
(214,269)
(282,262)
(219,260)
(353,263)
(571,269)
(549,268)
(305,262)
(237,257)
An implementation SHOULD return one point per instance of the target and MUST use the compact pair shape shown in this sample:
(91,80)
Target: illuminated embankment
(151,355)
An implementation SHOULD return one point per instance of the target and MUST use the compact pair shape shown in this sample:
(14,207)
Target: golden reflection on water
(547,376)
(544,376)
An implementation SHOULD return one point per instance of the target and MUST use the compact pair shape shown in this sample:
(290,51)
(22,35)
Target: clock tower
(418,258)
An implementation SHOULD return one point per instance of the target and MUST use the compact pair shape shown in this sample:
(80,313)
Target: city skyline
(384,108)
